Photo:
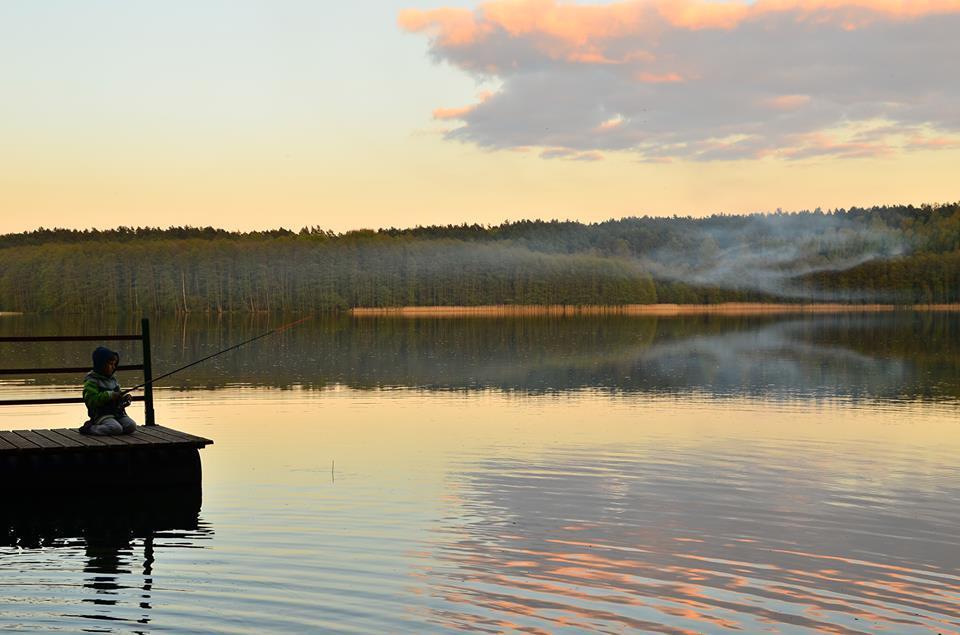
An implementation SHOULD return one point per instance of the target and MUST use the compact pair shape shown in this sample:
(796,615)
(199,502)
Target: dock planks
(49,463)
(66,439)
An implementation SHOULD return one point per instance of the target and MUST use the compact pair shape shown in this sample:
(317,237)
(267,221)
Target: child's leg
(106,427)
(128,424)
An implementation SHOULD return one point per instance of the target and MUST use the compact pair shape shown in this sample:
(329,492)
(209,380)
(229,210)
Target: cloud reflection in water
(750,538)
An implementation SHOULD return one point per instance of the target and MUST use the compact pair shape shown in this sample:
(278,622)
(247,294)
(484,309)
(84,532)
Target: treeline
(901,254)
(292,275)
(922,278)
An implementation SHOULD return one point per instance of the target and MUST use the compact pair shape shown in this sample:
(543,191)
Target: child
(105,402)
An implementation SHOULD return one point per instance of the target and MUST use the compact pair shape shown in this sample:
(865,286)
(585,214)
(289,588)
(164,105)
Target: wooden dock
(24,442)
(63,460)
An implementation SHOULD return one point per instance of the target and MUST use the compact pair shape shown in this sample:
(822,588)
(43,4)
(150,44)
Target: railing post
(147,372)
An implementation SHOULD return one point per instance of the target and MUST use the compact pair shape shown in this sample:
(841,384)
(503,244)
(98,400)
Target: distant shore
(728,308)
(4,313)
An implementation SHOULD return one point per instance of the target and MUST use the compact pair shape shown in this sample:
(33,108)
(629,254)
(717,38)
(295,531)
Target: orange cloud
(693,15)
(611,124)
(462,111)
(581,26)
(453,113)
(452,27)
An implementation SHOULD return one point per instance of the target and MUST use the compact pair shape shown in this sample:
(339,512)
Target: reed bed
(937,307)
(730,308)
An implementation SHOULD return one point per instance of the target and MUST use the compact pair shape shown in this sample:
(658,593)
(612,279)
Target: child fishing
(105,402)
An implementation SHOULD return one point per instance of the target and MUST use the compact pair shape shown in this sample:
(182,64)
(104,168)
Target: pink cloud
(935,143)
(682,74)
(462,111)
(824,145)
(787,102)
(579,25)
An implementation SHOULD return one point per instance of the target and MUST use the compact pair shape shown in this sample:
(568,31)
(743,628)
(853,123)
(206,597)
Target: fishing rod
(235,346)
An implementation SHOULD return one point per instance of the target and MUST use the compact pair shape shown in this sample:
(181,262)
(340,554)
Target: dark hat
(101,355)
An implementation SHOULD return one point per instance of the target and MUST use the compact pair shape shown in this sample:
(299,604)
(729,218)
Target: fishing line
(252,339)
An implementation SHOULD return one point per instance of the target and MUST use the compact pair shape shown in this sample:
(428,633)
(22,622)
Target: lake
(697,474)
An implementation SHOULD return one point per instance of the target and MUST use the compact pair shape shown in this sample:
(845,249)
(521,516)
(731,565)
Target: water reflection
(892,356)
(712,476)
(117,537)
(750,539)
(414,511)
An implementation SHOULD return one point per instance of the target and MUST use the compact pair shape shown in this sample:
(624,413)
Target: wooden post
(147,372)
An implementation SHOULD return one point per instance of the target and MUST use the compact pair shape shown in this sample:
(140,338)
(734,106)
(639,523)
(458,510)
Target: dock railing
(143,337)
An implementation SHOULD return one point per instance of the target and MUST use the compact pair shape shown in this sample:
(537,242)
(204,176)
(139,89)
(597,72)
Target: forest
(893,254)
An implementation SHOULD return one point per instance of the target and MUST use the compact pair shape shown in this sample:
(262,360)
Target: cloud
(937,143)
(704,81)
(658,78)
(612,123)
(570,155)
(787,102)
(452,113)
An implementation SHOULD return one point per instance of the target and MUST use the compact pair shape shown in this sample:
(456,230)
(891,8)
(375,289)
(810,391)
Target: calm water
(539,475)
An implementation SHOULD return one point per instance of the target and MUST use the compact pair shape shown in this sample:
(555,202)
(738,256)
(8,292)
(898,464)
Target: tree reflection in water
(885,356)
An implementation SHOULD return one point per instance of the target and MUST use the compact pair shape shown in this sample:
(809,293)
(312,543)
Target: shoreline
(663,310)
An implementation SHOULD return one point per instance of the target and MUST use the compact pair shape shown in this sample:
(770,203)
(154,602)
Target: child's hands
(123,398)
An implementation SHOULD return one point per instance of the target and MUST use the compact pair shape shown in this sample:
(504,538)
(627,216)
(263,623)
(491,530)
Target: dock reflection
(117,533)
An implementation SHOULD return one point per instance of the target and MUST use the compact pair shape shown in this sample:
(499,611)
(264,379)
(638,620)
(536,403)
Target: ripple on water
(691,544)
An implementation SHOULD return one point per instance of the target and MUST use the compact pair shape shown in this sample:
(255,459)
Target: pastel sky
(254,114)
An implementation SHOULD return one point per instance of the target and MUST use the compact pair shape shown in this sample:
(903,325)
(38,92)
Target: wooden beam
(51,400)
(60,371)
(72,338)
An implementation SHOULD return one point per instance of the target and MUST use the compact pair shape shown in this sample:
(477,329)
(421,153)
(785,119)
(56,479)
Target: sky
(394,113)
